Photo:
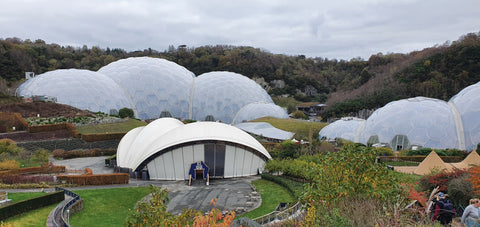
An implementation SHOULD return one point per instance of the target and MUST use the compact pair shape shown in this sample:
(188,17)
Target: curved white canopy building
(168,149)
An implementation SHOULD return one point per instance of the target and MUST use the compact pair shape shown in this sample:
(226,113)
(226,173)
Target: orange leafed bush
(474,178)
(30,170)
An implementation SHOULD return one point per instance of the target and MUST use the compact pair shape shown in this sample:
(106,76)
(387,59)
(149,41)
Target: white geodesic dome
(223,94)
(82,89)
(345,128)
(257,110)
(153,85)
(418,121)
(467,103)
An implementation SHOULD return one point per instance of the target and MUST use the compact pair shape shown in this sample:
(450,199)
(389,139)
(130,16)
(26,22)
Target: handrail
(65,207)
(278,215)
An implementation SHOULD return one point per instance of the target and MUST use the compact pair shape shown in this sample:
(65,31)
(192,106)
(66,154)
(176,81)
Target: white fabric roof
(141,143)
(265,129)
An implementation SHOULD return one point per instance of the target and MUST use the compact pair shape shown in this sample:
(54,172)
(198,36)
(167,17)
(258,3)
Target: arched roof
(82,89)
(167,132)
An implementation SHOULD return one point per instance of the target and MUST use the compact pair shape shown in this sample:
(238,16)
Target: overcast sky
(341,29)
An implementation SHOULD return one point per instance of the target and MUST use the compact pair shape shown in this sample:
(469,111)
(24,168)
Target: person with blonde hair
(470,216)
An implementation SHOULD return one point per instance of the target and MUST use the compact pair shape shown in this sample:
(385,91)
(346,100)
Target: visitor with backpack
(470,216)
(444,210)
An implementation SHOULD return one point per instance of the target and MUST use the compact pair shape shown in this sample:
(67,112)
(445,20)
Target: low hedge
(31,170)
(95,152)
(102,136)
(26,179)
(294,187)
(10,120)
(31,204)
(419,158)
(97,179)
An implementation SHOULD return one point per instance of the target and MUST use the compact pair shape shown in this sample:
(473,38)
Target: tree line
(345,85)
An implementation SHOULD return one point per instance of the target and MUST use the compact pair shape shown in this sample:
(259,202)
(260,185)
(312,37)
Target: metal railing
(288,213)
(64,208)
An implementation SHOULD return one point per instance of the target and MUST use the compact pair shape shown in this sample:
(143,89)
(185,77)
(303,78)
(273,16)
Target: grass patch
(299,127)
(125,126)
(272,194)
(36,217)
(19,196)
(107,206)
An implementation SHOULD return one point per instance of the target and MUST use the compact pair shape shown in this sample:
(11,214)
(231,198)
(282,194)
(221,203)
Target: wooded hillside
(346,86)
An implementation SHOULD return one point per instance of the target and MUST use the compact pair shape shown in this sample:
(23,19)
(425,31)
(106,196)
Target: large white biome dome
(467,103)
(166,149)
(424,122)
(345,128)
(154,88)
(82,89)
(421,121)
(223,94)
(153,85)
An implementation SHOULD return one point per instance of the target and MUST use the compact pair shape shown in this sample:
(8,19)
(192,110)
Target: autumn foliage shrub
(9,164)
(474,178)
(46,169)
(429,182)
(8,146)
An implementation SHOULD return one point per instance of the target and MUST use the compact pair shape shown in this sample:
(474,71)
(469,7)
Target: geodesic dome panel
(257,110)
(153,85)
(223,94)
(82,89)
(345,128)
(467,102)
(425,121)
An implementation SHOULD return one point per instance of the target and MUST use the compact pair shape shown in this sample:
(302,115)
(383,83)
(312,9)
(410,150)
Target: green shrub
(384,151)
(298,114)
(125,112)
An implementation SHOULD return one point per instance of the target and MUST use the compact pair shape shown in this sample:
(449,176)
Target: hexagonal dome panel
(223,94)
(82,89)
(467,102)
(424,121)
(153,85)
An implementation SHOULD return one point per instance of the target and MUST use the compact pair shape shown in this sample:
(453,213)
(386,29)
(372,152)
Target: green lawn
(299,127)
(113,127)
(272,194)
(36,217)
(19,196)
(107,207)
